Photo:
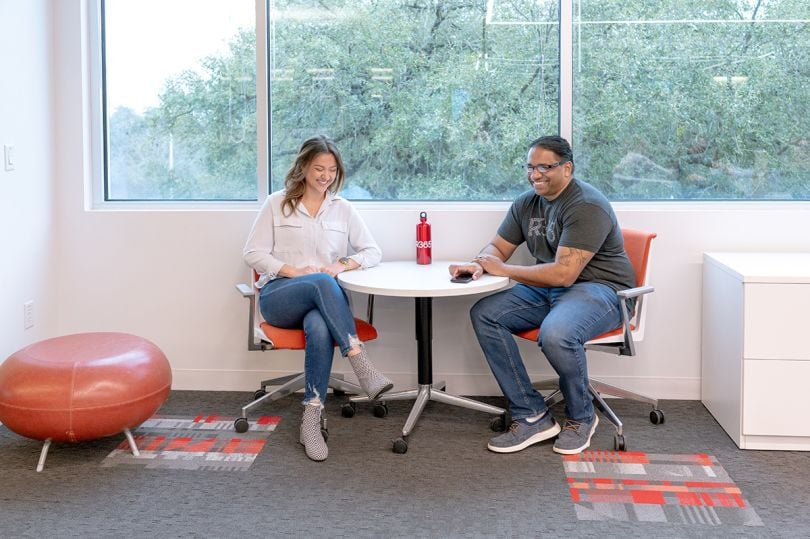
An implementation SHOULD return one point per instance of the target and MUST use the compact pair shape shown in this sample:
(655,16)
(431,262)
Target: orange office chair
(620,341)
(263,336)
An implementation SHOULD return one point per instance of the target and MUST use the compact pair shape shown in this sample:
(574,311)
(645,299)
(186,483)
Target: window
(437,99)
(693,99)
(180,99)
(428,99)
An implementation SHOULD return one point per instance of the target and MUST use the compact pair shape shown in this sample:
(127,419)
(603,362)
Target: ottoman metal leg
(43,455)
(47,445)
(132,444)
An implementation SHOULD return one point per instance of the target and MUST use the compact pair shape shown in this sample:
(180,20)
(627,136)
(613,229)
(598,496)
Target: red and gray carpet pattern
(204,442)
(646,487)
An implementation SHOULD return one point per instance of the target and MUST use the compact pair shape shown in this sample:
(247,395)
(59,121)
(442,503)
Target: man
(570,293)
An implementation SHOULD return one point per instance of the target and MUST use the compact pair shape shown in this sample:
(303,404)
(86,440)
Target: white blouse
(302,240)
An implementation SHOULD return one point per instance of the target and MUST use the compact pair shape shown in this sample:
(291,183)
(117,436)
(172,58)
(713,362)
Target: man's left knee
(552,335)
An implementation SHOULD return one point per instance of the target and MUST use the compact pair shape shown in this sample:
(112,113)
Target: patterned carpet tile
(642,487)
(204,442)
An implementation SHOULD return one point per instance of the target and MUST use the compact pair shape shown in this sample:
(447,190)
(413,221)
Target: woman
(299,243)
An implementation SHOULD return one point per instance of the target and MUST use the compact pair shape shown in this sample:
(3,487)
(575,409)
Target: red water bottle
(423,243)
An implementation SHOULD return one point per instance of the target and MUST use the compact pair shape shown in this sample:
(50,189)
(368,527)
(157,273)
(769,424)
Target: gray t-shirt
(581,218)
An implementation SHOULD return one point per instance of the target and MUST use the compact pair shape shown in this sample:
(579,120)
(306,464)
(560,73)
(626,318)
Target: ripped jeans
(316,303)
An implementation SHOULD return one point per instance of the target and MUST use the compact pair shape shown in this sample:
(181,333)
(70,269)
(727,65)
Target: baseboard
(460,384)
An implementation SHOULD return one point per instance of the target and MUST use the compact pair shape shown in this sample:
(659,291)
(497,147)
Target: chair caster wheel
(380,409)
(348,409)
(259,394)
(500,423)
(325,434)
(619,443)
(656,417)
(241,425)
(400,446)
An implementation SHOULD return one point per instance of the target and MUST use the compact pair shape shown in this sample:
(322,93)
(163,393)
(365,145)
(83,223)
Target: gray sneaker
(575,436)
(522,434)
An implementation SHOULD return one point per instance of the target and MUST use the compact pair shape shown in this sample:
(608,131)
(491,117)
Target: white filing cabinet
(755,377)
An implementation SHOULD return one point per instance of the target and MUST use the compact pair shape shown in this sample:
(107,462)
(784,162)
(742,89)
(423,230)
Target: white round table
(409,279)
(423,283)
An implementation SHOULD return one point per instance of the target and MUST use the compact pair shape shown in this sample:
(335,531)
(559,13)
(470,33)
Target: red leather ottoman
(82,386)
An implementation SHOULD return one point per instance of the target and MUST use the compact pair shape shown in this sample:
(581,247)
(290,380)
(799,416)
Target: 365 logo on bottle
(423,241)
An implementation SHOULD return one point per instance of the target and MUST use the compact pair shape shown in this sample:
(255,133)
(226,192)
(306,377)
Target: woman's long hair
(294,182)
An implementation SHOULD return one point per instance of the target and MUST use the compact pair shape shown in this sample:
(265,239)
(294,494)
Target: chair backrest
(637,245)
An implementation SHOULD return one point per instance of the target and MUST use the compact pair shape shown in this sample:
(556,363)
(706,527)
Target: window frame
(96,188)
(95,147)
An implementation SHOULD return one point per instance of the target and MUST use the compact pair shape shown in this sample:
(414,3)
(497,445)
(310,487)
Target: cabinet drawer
(776,320)
(775,399)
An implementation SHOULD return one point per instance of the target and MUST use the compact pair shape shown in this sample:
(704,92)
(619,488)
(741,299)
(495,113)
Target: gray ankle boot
(373,382)
(311,436)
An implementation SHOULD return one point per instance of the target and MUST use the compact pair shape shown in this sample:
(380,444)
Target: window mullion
(566,123)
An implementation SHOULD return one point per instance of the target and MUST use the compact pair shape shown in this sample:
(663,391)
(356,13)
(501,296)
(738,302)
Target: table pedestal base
(426,393)
(421,396)
(427,390)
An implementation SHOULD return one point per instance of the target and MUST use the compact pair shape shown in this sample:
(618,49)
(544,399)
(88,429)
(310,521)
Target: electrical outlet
(28,314)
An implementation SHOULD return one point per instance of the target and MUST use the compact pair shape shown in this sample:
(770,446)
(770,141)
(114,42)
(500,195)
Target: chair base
(290,384)
(597,389)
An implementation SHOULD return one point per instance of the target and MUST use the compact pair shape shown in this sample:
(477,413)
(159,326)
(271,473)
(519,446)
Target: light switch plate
(8,157)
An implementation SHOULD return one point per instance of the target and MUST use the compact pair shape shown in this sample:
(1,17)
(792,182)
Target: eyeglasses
(542,169)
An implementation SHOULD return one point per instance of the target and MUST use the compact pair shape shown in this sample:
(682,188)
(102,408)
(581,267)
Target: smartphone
(462,278)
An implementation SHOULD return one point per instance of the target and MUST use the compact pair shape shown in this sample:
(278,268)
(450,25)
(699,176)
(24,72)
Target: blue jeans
(316,303)
(567,318)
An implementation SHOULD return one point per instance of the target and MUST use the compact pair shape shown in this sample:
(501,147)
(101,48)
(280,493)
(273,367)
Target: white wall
(27,229)
(169,275)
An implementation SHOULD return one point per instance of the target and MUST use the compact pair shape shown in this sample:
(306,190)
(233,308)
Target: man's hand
(469,267)
(491,264)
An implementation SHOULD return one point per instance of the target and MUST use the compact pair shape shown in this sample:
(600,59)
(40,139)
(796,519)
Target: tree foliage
(438,99)
(715,107)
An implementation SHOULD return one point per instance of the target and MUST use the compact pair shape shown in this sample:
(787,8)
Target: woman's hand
(305,270)
(293,271)
(333,269)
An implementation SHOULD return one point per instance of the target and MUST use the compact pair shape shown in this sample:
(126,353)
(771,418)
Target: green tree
(438,99)
(425,99)
(200,142)
(715,109)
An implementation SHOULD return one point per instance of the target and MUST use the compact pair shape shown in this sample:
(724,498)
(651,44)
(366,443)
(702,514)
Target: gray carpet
(447,485)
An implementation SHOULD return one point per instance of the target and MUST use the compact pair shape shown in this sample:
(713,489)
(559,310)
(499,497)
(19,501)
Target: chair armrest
(245,290)
(628,348)
(254,342)
(634,292)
